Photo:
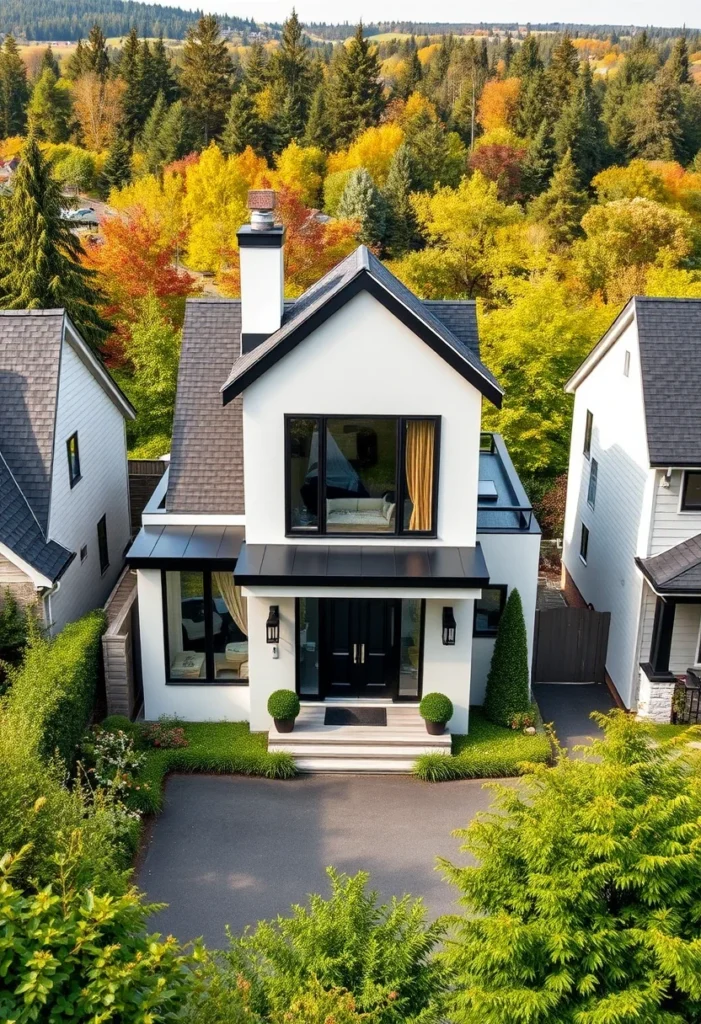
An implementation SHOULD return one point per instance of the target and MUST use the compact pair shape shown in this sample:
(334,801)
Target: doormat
(355,716)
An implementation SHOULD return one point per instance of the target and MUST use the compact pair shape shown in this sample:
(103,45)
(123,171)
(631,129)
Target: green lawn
(488,752)
(668,732)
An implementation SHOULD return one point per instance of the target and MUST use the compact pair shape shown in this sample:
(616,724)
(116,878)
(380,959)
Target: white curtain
(236,605)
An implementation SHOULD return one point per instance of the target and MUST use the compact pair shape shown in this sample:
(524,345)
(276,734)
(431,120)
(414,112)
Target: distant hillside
(328,31)
(72,19)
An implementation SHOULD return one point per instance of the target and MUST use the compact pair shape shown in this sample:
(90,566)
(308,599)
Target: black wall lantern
(448,627)
(272,626)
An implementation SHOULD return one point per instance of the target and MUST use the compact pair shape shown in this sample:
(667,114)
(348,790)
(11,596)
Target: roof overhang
(203,548)
(362,281)
(669,588)
(622,321)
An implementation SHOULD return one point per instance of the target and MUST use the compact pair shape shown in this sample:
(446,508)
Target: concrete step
(383,751)
(356,735)
(374,765)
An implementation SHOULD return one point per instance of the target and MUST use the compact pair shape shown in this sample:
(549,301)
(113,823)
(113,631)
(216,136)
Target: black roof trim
(676,570)
(186,547)
(271,238)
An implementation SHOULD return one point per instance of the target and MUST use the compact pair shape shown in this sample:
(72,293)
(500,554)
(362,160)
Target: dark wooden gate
(570,645)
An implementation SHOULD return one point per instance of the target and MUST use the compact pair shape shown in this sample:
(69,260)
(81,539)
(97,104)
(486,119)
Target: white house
(328,454)
(632,541)
(64,492)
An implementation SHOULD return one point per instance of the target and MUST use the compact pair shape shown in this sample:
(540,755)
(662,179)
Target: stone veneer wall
(655,699)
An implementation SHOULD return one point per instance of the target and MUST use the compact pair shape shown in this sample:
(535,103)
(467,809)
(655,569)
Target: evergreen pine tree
(527,61)
(678,62)
(355,89)
(128,72)
(146,79)
(39,254)
(318,130)
(48,60)
(150,139)
(284,126)
(76,65)
(401,229)
(411,75)
(507,692)
(579,128)
(507,52)
(96,56)
(563,205)
(117,170)
(162,72)
(178,135)
(255,71)
(49,109)
(290,76)
(562,73)
(538,163)
(243,125)
(363,202)
(14,91)
(531,107)
(206,76)
(656,119)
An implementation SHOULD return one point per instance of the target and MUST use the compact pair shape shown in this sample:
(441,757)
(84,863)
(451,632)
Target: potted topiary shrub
(283,705)
(436,710)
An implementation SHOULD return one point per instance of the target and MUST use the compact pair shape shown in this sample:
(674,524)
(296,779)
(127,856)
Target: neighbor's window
(691,492)
(206,628)
(626,363)
(73,459)
(589,426)
(584,544)
(488,610)
(361,475)
(593,479)
(102,545)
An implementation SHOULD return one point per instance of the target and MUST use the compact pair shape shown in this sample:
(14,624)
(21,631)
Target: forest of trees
(549,178)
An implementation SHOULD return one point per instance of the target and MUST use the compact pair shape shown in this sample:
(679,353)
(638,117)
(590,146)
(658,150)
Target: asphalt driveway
(569,706)
(232,850)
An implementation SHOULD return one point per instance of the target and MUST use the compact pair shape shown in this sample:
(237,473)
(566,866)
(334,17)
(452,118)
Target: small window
(84,552)
(691,492)
(102,545)
(488,610)
(587,434)
(626,364)
(73,459)
(584,544)
(593,478)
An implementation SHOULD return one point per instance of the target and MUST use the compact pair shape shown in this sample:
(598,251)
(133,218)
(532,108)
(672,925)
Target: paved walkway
(231,850)
(569,706)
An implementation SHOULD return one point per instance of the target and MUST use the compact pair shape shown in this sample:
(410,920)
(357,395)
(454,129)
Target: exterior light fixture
(448,628)
(272,626)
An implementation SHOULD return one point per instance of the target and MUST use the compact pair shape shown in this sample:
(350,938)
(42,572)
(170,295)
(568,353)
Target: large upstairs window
(361,475)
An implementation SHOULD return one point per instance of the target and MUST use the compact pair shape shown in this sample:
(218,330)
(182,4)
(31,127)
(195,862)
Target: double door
(360,652)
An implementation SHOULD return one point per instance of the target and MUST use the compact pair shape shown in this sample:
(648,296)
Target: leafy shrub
(584,902)
(436,707)
(507,691)
(112,760)
(164,734)
(76,955)
(55,687)
(14,628)
(523,720)
(348,944)
(283,704)
(115,723)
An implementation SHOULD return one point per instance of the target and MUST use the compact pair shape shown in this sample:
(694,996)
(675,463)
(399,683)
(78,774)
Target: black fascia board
(363,281)
(252,238)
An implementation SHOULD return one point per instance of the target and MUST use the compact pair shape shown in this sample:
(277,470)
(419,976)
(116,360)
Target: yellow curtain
(420,435)
(236,605)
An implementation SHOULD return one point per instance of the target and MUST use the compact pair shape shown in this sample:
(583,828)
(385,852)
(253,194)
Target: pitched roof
(357,271)
(669,334)
(677,570)
(21,533)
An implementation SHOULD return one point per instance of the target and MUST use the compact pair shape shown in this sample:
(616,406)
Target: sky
(672,13)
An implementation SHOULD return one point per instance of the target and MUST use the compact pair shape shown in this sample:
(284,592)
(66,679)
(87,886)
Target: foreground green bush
(14,631)
(507,692)
(72,955)
(584,906)
(488,752)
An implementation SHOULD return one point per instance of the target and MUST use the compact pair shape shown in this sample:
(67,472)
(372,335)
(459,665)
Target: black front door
(360,649)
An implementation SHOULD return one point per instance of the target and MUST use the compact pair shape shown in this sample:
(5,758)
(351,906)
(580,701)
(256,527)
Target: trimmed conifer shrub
(507,683)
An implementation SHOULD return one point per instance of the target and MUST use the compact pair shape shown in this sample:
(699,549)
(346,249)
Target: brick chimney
(262,256)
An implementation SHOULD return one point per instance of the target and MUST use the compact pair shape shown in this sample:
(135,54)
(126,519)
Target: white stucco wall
(83,406)
(512,559)
(199,703)
(619,525)
(362,361)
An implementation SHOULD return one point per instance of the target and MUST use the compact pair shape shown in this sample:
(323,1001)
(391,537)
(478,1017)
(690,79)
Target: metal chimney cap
(262,199)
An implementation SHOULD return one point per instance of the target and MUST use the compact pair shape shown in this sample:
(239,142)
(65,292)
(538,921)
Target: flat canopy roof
(360,566)
(186,547)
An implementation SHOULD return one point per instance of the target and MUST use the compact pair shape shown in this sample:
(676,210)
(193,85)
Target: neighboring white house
(64,492)
(376,514)
(632,542)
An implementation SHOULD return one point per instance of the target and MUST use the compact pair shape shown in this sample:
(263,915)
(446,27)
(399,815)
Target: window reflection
(410,649)
(361,475)
(308,646)
(304,473)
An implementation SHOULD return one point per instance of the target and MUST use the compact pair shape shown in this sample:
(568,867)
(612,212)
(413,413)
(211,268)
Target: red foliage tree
(502,164)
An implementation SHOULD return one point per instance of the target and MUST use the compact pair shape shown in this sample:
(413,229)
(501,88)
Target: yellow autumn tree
(374,149)
(97,104)
(215,203)
(301,168)
(161,201)
(497,104)
(251,167)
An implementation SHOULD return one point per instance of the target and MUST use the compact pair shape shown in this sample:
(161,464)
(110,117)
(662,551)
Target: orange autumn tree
(498,103)
(312,247)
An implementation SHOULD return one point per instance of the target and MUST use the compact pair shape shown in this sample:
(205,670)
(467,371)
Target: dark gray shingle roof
(28,392)
(332,285)
(460,317)
(677,570)
(669,332)
(20,531)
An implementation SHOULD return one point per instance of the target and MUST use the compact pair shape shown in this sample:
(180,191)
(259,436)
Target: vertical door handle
(362,654)
(355,654)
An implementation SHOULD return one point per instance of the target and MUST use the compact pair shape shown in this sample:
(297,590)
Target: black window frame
(103,548)
(504,589)
(588,432)
(83,552)
(584,543)
(321,425)
(593,484)
(74,474)
(684,506)
(208,600)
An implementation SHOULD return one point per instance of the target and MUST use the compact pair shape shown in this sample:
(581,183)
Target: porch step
(317,747)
